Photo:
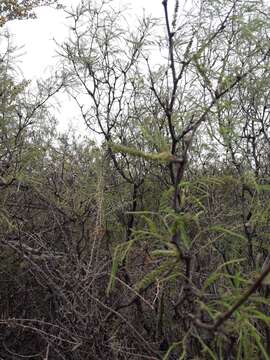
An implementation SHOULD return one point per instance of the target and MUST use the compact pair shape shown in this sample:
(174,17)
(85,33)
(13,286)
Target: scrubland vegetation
(152,243)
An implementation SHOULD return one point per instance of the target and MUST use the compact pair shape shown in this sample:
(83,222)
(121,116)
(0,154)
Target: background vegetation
(154,242)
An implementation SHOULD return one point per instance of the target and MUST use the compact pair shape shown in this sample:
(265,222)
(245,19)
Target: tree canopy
(20,9)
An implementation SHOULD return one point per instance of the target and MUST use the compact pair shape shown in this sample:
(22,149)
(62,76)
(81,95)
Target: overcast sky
(38,38)
(38,35)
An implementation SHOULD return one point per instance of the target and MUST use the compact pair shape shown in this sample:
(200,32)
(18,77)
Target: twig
(225,316)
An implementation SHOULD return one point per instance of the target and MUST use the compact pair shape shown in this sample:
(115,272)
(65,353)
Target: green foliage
(175,207)
(164,269)
(164,156)
(20,9)
(119,256)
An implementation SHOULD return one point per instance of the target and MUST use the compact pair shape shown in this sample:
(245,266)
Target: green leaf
(151,277)
(120,253)
(207,350)
(165,253)
(225,231)
(164,156)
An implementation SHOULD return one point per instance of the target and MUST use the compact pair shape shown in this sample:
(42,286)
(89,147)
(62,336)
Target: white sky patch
(38,36)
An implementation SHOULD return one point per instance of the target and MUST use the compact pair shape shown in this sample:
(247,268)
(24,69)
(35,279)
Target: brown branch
(192,127)
(225,316)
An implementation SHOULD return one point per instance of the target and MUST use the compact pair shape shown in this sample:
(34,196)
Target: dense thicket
(153,244)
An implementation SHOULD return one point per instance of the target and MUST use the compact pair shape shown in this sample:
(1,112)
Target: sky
(38,37)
